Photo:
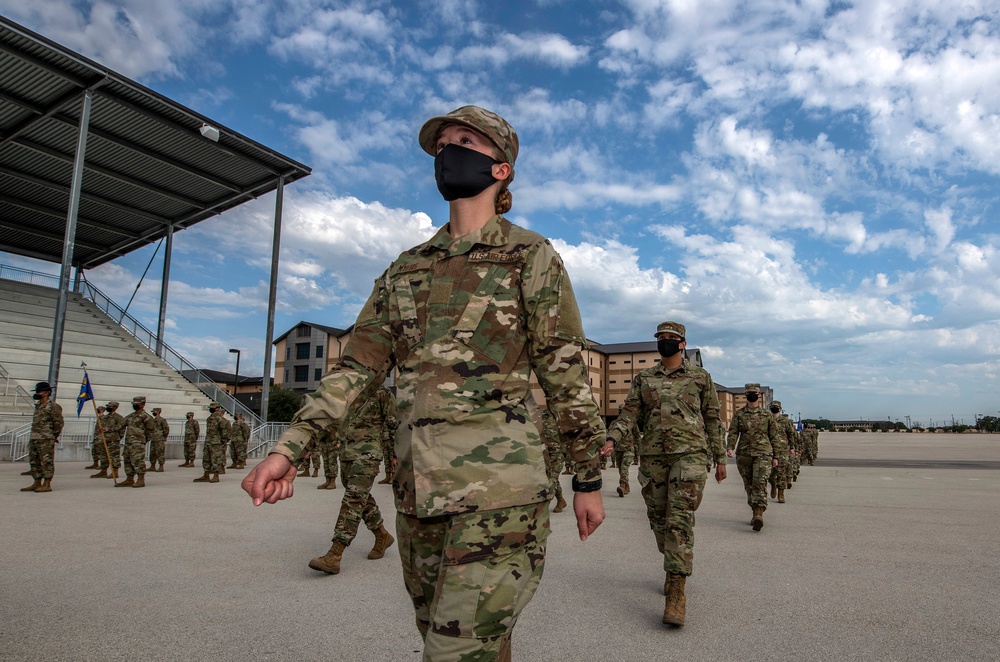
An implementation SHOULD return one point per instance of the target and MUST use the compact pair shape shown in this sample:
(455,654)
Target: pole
(271,297)
(100,426)
(69,241)
(107,453)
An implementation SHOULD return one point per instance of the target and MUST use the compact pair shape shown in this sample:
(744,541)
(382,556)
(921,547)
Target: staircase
(119,365)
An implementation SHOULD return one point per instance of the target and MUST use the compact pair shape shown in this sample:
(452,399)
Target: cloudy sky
(812,187)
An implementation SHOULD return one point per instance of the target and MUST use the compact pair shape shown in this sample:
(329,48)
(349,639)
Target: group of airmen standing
(123,440)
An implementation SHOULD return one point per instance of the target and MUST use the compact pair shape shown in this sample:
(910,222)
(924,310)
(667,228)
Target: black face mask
(775,410)
(136,407)
(667,347)
(462,173)
(36,396)
(752,397)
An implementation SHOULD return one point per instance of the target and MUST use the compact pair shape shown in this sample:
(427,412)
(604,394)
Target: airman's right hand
(271,480)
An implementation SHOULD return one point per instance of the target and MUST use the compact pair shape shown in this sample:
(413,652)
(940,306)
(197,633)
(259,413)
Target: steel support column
(271,298)
(164,287)
(70,239)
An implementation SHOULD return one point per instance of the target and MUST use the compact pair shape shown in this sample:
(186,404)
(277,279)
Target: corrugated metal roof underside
(147,165)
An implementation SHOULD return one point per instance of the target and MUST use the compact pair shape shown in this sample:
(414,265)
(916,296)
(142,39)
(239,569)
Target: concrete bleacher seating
(119,366)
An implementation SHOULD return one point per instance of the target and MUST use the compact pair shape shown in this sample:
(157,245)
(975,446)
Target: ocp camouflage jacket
(467,320)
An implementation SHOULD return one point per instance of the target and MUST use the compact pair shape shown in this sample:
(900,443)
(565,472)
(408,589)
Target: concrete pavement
(893,560)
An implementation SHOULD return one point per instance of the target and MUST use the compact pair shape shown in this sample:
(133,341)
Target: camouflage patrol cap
(752,388)
(156,410)
(190,413)
(213,406)
(139,400)
(479,119)
(671,327)
(776,403)
(113,404)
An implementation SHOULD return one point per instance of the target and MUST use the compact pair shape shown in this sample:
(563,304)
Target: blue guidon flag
(86,393)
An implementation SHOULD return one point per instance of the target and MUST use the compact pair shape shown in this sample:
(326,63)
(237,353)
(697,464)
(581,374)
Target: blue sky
(811,187)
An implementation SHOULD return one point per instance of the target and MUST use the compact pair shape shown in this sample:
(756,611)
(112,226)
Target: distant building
(305,352)
(840,426)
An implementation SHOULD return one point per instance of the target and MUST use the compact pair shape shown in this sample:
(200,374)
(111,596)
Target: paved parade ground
(885,550)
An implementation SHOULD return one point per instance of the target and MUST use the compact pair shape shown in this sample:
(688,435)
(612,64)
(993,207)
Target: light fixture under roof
(210,132)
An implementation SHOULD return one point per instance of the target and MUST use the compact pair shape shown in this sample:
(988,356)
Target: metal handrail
(19,391)
(169,356)
(17,439)
(267,435)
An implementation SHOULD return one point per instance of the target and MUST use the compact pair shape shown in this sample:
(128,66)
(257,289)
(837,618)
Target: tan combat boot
(774,490)
(232,466)
(676,603)
(93,465)
(324,485)
(329,563)
(304,473)
(758,518)
(383,541)
(159,469)
(34,486)
(204,479)
(386,481)
(103,473)
(215,478)
(560,504)
(315,472)
(781,496)
(141,482)
(128,482)
(46,485)
(332,485)
(26,473)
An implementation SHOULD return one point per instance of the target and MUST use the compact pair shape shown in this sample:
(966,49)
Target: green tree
(988,424)
(282,403)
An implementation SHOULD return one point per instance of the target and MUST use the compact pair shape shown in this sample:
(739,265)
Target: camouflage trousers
(115,451)
(331,454)
(97,450)
(672,487)
(314,459)
(190,446)
(470,575)
(755,471)
(358,504)
(780,475)
(554,461)
(41,458)
(624,461)
(134,457)
(213,457)
(157,452)
(795,461)
(388,452)
(237,451)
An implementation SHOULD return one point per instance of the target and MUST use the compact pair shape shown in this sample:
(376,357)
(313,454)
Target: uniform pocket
(490,320)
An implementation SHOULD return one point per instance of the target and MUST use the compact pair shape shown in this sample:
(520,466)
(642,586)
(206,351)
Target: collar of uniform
(681,368)
(494,233)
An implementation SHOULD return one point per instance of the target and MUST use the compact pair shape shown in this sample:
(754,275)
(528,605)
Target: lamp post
(236,377)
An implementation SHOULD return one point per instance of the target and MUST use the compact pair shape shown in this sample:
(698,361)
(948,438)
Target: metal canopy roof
(147,164)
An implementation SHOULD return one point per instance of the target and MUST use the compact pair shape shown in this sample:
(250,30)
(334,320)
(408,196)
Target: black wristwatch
(589,486)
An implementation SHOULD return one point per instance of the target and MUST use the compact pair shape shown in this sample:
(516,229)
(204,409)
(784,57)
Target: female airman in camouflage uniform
(466,317)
